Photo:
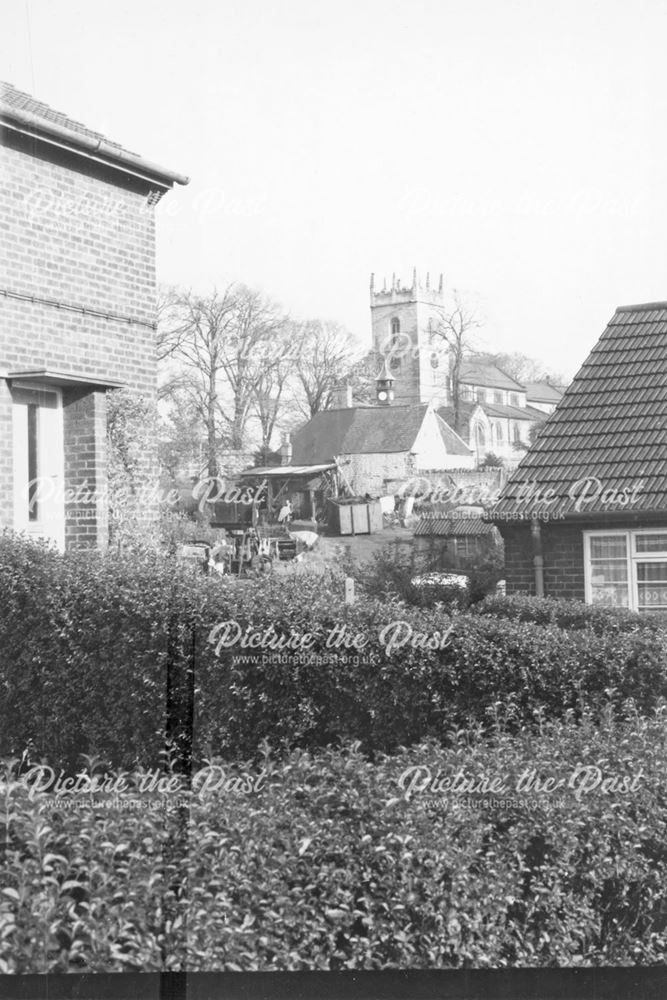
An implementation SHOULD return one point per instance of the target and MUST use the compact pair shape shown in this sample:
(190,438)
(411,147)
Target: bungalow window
(627,569)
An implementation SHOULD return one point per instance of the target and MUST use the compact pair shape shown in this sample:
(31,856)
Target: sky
(517,146)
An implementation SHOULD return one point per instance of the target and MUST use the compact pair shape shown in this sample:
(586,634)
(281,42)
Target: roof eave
(100,149)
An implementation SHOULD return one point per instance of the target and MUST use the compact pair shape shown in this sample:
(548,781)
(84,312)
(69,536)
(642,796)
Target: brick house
(585,513)
(77,312)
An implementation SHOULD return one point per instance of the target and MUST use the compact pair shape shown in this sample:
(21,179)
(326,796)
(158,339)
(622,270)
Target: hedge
(331,864)
(570,614)
(96,653)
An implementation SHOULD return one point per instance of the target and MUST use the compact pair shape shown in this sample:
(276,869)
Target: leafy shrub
(570,614)
(331,865)
(105,655)
(393,569)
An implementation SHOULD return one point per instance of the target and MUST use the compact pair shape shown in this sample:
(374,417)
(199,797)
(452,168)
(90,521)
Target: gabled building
(543,396)
(585,513)
(77,312)
(378,447)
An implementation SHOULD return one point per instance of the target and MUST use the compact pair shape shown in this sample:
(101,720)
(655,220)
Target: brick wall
(563,554)
(83,235)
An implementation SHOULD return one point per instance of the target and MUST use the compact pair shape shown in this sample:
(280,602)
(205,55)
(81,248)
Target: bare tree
(215,350)
(455,326)
(271,395)
(326,356)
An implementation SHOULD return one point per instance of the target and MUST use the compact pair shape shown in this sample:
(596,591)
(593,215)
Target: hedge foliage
(93,649)
(570,614)
(331,864)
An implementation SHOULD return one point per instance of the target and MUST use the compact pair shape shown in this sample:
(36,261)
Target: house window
(465,548)
(481,396)
(38,462)
(627,569)
(497,397)
(514,399)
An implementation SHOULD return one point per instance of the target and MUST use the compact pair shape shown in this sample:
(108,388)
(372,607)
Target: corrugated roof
(610,426)
(20,101)
(452,526)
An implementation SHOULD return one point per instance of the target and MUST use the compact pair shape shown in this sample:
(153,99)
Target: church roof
(487,374)
(365,430)
(543,392)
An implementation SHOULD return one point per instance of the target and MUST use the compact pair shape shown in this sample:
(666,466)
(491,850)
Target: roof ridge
(642,307)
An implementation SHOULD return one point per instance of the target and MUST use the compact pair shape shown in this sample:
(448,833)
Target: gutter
(96,149)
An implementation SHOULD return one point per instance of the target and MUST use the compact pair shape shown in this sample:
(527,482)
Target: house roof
(543,392)
(18,100)
(364,430)
(453,526)
(611,424)
(487,374)
(26,114)
(454,443)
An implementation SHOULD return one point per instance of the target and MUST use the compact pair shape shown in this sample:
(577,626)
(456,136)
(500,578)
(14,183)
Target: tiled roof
(513,412)
(363,430)
(466,410)
(611,424)
(454,443)
(453,526)
(11,98)
(542,392)
(486,374)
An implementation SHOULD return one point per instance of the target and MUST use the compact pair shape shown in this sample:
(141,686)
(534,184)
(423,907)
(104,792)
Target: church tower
(404,321)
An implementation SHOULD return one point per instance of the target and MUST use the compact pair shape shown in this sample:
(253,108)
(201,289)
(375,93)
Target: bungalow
(585,513)
(77,313)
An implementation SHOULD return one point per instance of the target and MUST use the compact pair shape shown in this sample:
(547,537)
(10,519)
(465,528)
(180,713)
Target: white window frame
(632,558)
(55,531)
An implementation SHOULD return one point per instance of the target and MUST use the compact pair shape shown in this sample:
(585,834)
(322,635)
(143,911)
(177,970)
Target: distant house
(543,396)
(376,447)
(494,413)
(585,513)
(77,312)
(455,541)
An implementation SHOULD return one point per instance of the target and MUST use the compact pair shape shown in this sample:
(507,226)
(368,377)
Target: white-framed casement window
(627,568)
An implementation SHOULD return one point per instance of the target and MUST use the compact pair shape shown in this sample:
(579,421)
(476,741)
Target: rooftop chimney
(341,398)
(286,450)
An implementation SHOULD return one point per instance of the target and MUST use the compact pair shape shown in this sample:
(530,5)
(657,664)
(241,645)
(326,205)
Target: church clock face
(382,395)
